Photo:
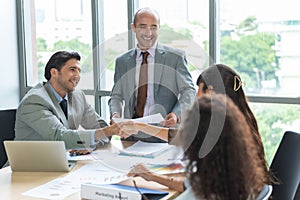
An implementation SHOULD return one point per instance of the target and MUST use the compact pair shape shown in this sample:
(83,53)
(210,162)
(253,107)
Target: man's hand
(114,115)
(170,120)
(80,152)
(124,129)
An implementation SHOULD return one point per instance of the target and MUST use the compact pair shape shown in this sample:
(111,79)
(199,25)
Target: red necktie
(142,90)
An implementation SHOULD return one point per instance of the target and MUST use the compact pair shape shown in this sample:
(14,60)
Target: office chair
(286,167)
(297,195)
(7,132)
(265,193)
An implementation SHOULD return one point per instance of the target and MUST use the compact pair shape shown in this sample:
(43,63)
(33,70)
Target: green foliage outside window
(83,49)
(167,34)
(70,45)
(273,121)
(252,55)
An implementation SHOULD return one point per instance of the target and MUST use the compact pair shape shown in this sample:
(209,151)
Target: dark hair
(148,10)
(58,60)
(225,80)
(231,169)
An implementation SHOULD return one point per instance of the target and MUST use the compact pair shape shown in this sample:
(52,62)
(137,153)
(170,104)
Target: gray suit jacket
(173,86)
(39,117)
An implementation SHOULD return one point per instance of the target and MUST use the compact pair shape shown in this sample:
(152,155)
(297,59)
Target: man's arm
(37,116)
(90,119)
(116,98)
(186,90)
(185,84)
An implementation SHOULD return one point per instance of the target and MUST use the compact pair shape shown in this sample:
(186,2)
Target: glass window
(273,120)
(259,40)
(115,41)
(57,25)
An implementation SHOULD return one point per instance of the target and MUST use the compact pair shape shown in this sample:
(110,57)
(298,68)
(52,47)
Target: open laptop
(37,156)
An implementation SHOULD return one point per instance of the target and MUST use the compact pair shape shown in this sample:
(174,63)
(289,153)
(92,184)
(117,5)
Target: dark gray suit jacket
(39,117)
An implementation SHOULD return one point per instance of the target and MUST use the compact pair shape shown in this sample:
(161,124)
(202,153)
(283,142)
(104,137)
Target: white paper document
(151,119)
(145,149)
(124,164)
(60,188)
(55,189)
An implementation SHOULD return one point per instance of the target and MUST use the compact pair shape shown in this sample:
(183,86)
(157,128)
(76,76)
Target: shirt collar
(151,50)
(57,96)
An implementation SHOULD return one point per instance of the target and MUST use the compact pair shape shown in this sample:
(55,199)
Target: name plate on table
(116,191)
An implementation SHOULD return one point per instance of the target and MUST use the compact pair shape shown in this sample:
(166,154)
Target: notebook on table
(37,156)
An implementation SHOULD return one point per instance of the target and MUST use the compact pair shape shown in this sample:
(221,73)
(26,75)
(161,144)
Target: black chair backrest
(7,131)
(297,195)
(286,167)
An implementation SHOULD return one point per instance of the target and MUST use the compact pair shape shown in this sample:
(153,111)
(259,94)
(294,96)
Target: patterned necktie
(143,85)
(64,106)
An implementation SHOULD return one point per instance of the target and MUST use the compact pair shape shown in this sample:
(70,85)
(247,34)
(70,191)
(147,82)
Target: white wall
(9,72)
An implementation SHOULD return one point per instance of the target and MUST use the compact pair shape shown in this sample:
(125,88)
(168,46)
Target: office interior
(214,31)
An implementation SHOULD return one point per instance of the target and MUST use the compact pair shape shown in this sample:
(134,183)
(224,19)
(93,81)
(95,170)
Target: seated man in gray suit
(41,115)
(169,86)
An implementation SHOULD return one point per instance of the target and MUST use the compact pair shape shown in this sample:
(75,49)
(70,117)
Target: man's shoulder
(77,94)
(126,54)
(37,94)
(169,49)
(37,90)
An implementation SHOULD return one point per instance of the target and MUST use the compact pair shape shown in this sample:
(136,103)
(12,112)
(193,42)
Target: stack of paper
(151,119)
(146,149)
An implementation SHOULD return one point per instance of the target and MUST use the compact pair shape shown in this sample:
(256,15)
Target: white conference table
(13,184)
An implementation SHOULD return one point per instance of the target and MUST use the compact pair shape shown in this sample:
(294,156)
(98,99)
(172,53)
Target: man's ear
(132,27)
(53,72)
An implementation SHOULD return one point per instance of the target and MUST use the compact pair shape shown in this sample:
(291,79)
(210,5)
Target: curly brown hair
(223,159)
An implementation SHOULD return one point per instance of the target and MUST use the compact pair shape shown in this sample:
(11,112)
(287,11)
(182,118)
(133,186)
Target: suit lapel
(131,67)
(158,68)
(58,109)
(130,76)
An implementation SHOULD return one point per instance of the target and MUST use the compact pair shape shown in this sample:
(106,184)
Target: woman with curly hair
(223,161)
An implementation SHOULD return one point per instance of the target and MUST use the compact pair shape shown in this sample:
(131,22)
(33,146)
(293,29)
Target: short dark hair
(58,60)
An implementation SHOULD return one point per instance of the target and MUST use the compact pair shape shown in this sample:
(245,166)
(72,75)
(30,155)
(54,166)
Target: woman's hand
(124,129)
(142,171)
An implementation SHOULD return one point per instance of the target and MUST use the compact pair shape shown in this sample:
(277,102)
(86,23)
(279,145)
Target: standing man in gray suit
(170,88)
(40,115)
